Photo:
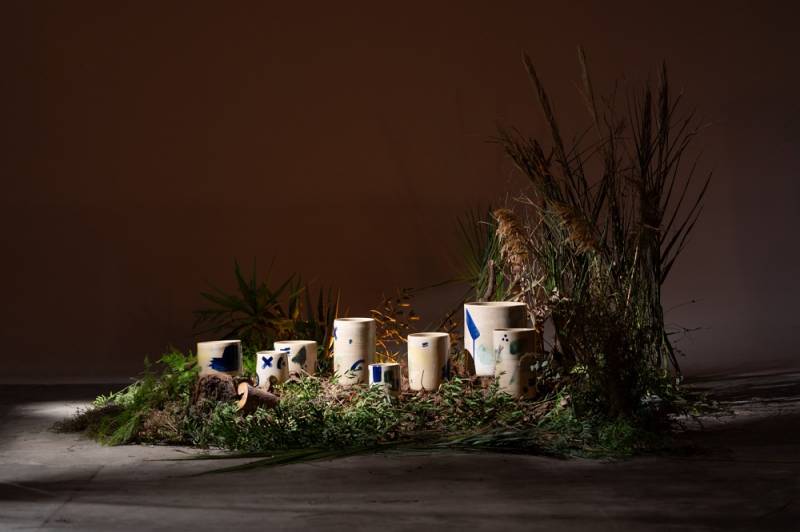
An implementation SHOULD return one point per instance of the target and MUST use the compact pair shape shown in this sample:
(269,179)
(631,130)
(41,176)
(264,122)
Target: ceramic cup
(514,341)
(353,349)
(221,356)
(271,368)
(386,375)
(427,359)
(301,355)
(514,375)
(480,319)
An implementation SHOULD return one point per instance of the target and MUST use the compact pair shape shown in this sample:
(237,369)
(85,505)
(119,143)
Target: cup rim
(354,320)
(494,304)
(431,334)
(271,352)
(295,342)
(515,329)
(385,364)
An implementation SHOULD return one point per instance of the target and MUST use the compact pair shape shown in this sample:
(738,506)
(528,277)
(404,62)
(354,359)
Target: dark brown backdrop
(147,144)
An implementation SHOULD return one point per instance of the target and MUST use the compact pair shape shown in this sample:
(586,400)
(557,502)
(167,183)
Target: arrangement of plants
(587,248)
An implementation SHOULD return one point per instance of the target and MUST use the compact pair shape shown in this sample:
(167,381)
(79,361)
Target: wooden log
(251,398)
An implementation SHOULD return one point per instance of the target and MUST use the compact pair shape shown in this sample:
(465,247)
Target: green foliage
(259,315)
(480,262)
(119,417)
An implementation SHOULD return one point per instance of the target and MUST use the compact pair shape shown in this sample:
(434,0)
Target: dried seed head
(514,248)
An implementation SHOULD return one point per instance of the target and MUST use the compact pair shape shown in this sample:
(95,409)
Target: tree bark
(250,398)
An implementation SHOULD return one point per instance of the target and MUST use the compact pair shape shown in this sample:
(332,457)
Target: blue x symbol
(266,362)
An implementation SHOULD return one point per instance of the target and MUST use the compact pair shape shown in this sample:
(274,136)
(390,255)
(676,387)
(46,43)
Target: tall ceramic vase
(515,351)
(480,319)
(427,359)
(386,375)
(271,368)
(221,356)
(301,355)
(353,349)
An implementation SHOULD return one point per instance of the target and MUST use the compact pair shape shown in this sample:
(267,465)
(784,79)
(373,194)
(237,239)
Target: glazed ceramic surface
(353,349)
(301,355)
(514,342)
(514,375)
(271,367)
(386,375)
(427,359)
(221,356)
(480,319)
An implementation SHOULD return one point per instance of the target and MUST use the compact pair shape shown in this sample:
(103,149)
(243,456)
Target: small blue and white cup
(221,356)
(271,368)
(301,356)
(386,375)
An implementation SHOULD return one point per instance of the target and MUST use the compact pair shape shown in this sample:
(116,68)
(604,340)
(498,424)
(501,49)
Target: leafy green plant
(259,315)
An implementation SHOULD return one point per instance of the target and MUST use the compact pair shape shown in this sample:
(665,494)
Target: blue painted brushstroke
(358,365)
(350,341)
(229,361)
(424,344)
(280,362)
(285,349)
(473,332)
(334,333)
(376,374)
(266,362)
(300,357)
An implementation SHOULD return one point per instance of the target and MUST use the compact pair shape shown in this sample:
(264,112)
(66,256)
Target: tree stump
(212,389)
(250,398)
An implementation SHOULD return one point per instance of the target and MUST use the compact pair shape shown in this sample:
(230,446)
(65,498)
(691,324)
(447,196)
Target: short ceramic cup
(515,350)
(353,349)
(221,356)
(427,359)
(480,319)
(271,368)
(514,375)
(514,342)
(301,355)
(386,375)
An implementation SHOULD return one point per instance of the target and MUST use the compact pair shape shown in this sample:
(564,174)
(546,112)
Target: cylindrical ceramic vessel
(353,349)
(480,319)
(514,375)
(386,375)
(220,356)
(271,368)
(514,342)
(301,355)
(427,359)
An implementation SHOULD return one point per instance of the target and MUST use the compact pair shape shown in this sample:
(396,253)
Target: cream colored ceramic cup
(271,368)
(220,356)
(386,375)
(353,349)
(514,375)
(427,359)
(301,355)
(480,319)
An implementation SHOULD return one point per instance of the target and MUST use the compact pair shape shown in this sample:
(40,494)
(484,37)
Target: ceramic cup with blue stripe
(271,368)
(221,356)
(386,375)
(515,350)
(480,319)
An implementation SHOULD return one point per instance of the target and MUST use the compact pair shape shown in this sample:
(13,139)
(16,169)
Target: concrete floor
(745,476)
